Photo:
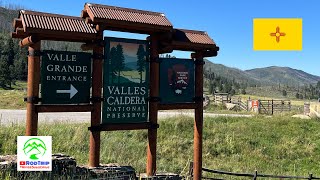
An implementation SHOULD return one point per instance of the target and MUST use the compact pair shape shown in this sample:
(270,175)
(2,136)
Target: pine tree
(10,51)
(119,60)
(211,88)
(113,63)
(141,60)
(4,72)
(243,91)
(284,93)
(20,67)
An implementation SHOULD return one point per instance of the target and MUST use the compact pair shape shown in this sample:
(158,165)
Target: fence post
(310,176)
(255,175)
(272,106)
(191,170)
(289,105)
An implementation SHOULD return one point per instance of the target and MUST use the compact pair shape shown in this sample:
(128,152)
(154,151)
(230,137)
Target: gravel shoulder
(8,117)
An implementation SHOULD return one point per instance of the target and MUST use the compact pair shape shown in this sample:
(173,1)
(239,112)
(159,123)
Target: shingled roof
(125,19)
(199,37)
(48,26)
(188,40)
(32,22)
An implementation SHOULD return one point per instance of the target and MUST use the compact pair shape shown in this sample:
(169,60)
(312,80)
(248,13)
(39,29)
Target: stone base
(161,176)
(65,167)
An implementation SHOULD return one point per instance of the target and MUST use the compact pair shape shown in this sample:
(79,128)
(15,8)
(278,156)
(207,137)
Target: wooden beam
(209,53)
(97,82)
(18,36)
(88,20)
(100,27)
(19,31)
(65,35)
(84,14)
(33,89)
(88,46)
(198,120)
(122,126)
(177,106)
(188,46)
(28,41)
(166,37)
(63,108)
(17,23)
(153,106)
(63,38)
(167,49)
(132,27)
(87,8)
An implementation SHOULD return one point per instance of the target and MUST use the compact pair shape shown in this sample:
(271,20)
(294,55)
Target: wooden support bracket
(29,41)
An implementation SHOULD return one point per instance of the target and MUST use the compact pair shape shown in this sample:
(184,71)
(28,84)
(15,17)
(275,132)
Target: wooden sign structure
(176,80)
(126,81)
(66,77)
(32,27)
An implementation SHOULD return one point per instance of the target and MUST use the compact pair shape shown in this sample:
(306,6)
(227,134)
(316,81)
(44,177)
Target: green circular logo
(34,147)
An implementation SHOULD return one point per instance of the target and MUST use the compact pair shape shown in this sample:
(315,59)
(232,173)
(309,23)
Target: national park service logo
(178,78)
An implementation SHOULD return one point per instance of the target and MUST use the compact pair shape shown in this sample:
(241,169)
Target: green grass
(221,109)
(294,102)
(17,85)
(277,145)
(13,98)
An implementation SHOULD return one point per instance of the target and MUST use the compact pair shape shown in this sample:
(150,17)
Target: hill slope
(264,76)
(284,75)
(231,73)
(6,19)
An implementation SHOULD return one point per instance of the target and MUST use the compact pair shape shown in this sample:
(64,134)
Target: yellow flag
(277,34)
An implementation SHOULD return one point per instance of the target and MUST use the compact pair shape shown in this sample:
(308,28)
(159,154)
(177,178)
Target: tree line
(13,61)
(116,61)
(304,92)
(219,84)
(13,58)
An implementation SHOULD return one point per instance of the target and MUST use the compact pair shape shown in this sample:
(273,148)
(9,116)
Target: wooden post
(272,106)
(198,121)
(94,152)
(33,88)
(153,107)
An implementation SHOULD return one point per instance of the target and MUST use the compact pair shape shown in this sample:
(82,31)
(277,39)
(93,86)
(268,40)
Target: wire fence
(253,176)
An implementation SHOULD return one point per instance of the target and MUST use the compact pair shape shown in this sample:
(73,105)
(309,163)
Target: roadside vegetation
(271,145)
(13,98)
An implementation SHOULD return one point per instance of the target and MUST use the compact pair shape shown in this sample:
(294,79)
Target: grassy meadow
(271,145)
(13,98)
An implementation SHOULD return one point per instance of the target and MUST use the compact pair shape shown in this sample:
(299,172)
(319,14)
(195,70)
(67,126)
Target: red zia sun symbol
(278,34)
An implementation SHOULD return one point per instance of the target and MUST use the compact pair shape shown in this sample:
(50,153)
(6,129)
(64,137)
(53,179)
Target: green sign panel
(65,77)
(176,80)
(126,81)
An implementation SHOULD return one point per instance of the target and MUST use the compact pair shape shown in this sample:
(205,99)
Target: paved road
(8,117)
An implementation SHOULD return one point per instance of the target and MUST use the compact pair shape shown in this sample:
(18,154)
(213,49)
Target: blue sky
(228,22)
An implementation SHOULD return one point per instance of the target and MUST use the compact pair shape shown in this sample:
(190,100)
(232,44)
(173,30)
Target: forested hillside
(218,78)
(13,59)
(277,81)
